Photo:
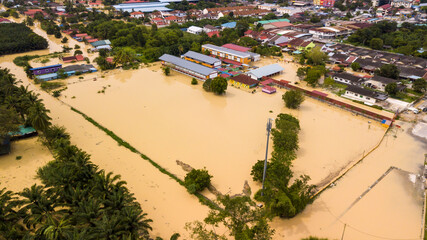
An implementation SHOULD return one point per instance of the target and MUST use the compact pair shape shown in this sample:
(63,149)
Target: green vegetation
(293,98)
(355,66)
(48,86)
(207,85)
(420,85)
(76,199)
(197,180)
(218,85)
(166,70)
(391,89)
(194,81)
(406,40)
(283,197)
(313,74)
(239,215)
(388,70)
(16,38)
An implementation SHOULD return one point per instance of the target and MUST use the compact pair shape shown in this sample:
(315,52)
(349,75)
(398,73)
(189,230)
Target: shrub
(194,81)
(197,180)
(167,71)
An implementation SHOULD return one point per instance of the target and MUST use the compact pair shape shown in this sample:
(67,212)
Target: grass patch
(202,199)
(22,61)
(47,86)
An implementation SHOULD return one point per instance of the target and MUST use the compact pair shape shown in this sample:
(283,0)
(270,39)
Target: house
(265,71)
(301,45)
(268,6)
(383,10)
(369,97)
(46,69)
(195,30)
(188,68)
(209,28)
(379,82)
(202,59)
(100,44)
(227,54)
(75,58)
(330,32)
(4,20)
(347,78)
(228,25)
(244,81)
(412,73)
(276,40)
(137,15)
(287,10)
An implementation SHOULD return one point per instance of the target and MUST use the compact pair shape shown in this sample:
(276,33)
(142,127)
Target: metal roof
(266,70)
(47,76)
(51,66)
(100,43)
(226,50)
(143,7)
(201,57)
(187,64)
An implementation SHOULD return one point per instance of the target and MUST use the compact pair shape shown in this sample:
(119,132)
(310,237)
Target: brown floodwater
(169,119)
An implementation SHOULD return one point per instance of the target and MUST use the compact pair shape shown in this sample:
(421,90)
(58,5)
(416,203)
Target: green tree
(38,116)
(9,121)
(293,98)
(376,43)
(194,81)
(391,89)
(197,180)
(316,57)
(64,40)
(218,85)
(388,70)
(355,66)
(207,85)
(166,70)
(420,85)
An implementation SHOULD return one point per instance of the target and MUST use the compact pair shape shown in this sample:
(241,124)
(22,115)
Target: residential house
(137,15)
(209,28)
(75,58)
(367,96)
(268,6)
(4,20)
(384,10)
(300,44)
(347,78)
(379,82)
(329,32)
(401,3)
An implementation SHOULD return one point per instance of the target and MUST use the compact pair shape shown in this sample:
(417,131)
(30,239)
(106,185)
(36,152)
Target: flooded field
(18,169)
(169,119)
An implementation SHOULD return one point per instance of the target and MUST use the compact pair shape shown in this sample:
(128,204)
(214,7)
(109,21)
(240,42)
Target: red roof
(157,19)
(4,20)
(248,32)
(266,82)
(171,18)
(92,40)
(79,57)
(211,34)
(281,24)
(136,13)
(81,35)
(385,6)
(269,89)
(236,47)
(224,75)
(245,79)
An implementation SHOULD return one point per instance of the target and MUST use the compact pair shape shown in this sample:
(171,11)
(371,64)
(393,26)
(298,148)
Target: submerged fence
(323,97)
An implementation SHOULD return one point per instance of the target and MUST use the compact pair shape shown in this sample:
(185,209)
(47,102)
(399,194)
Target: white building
(360,94)
(195,30)
(268,6)
(288,10)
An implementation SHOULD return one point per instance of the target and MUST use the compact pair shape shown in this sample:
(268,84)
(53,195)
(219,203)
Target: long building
(225,53)
(143,7)
(265,71)
(189,68)
(202,59)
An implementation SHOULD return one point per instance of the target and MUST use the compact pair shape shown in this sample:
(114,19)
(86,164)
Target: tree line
(407,39)
(16,38)
(76,199)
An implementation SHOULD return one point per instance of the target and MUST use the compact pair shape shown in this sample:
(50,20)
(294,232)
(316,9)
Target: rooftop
(266,70)
(245,79)
(201,57)
(236,47)
(50,66)
(187,64)
(226,50)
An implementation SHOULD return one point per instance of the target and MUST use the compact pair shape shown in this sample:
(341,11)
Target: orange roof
(171,18)
(136,13)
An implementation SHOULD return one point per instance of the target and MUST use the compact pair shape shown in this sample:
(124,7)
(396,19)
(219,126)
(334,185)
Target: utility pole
(269,123)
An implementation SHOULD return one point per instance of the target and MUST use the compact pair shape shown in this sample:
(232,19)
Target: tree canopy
(16,38)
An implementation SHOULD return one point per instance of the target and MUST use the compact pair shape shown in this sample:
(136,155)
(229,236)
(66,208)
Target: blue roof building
(229,25)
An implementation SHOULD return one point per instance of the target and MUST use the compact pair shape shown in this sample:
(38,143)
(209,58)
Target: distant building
(209,28)
(195,30)
(137,15)
(347,78)
(143,7)
(364,95)
(188,68)
(379,82)
(324,3)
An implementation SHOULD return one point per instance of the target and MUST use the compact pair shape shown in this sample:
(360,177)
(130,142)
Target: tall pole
(266,154)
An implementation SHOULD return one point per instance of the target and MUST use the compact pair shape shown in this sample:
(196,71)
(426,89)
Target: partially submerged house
(226,53)
(46,69)
(188,68)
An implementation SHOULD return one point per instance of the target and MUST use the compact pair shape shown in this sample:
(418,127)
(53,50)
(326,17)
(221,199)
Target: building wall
(217,64)
(228,56)
(239,84)
(46,70)
(189,72)
(359,97)
(379,85)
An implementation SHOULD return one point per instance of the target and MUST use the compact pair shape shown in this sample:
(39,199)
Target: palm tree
(10,216)
(135,221)
(37,116)
(56,229)
(123,56)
